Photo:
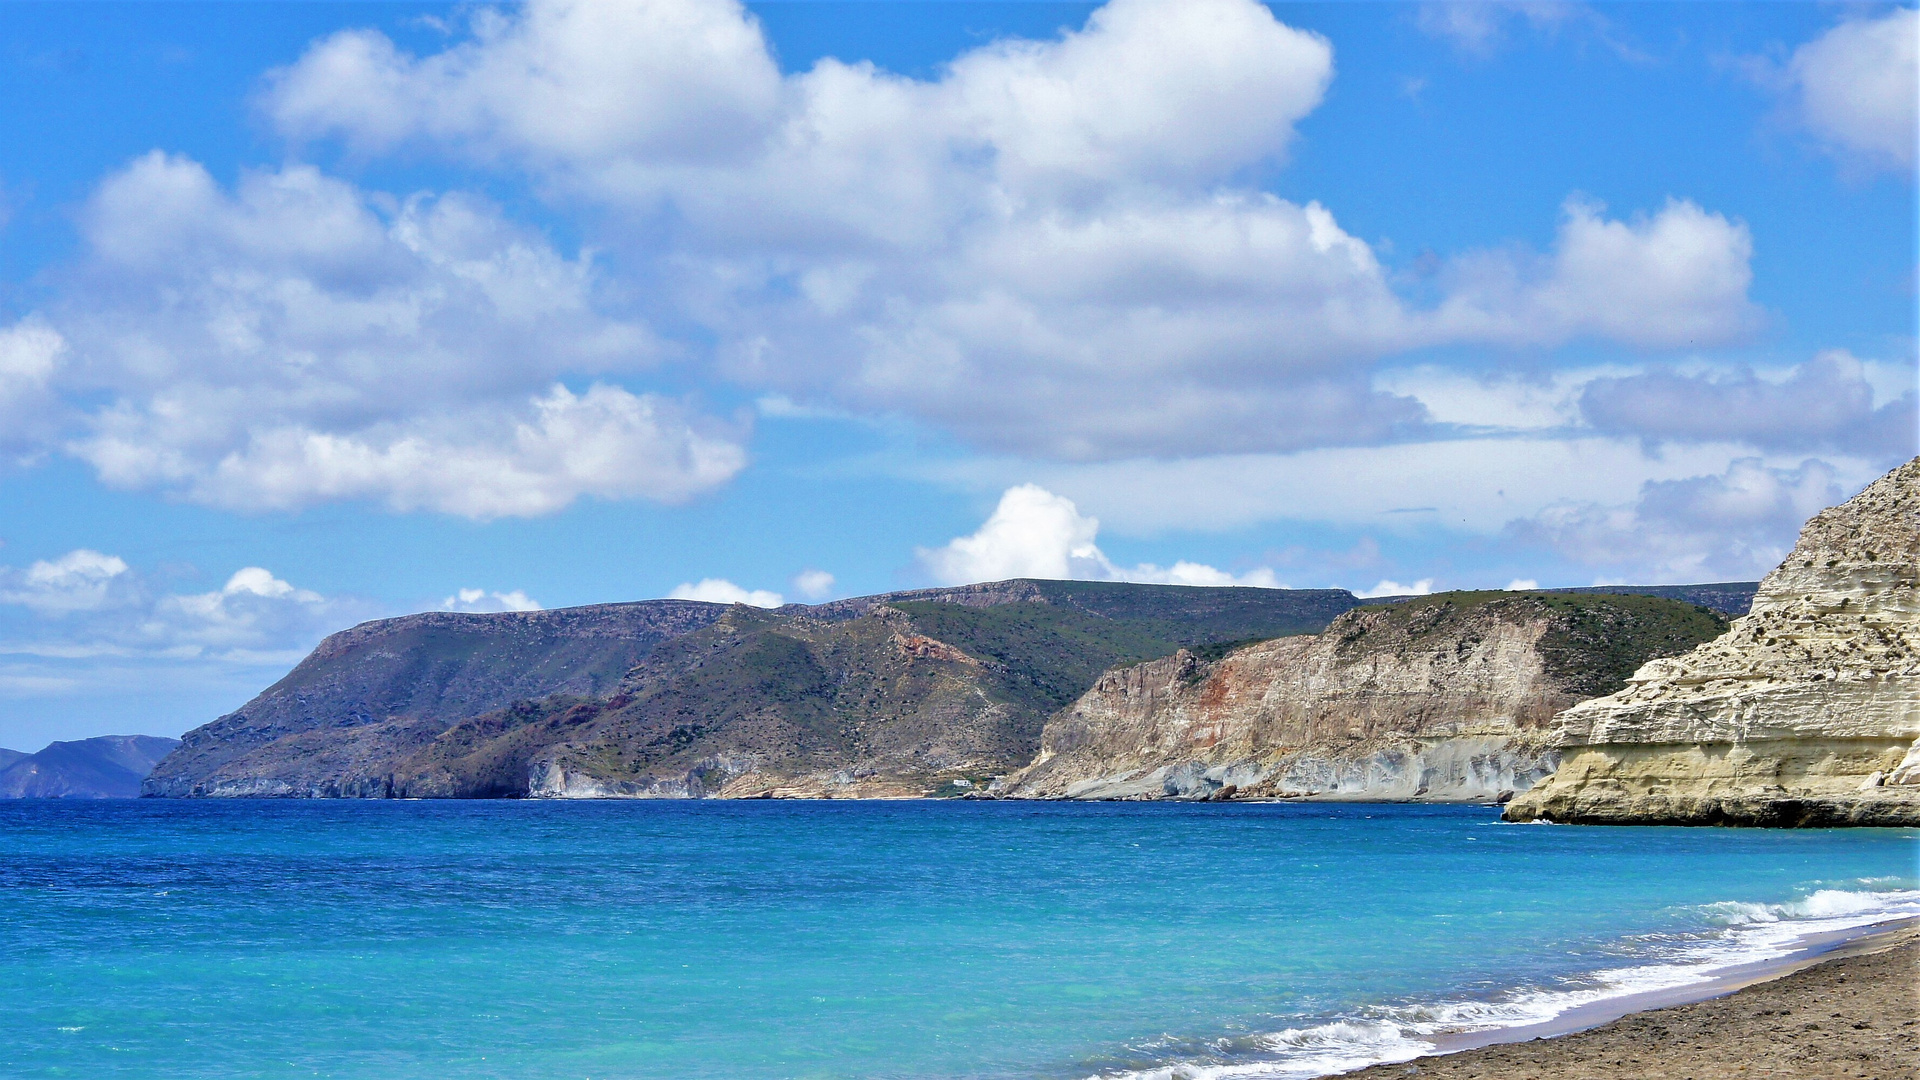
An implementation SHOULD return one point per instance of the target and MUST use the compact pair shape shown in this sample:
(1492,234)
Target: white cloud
(1385,587)
(1034,533)
(31,354)
(1467,485)
(1044,221)
(569,81)
(254,610)
(88,604)
(1522,585)
(625,96)
(722,591)
(80,580)
(1827,403)
(1677,278)
(298,340)
(1734,525)
(484,601)
(483,464)
(1497,400)
(1856,87)
(815,585)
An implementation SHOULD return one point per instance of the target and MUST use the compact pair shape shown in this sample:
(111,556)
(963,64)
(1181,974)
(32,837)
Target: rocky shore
(1854,1016)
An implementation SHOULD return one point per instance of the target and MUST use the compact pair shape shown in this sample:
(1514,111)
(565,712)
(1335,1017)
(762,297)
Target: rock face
(1806,712)
(904,694)
(1447,697)
(107,767)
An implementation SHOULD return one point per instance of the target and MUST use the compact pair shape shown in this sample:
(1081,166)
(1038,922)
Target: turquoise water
(938,940)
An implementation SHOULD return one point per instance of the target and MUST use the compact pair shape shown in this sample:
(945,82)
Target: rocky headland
(1119,690)
(1806,712)
(1447,698)
(381,686)
(906,694)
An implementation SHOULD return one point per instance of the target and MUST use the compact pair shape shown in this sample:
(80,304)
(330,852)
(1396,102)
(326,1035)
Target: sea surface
(948,940)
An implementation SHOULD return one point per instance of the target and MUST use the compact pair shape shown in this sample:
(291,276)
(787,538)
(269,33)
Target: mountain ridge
(103,767)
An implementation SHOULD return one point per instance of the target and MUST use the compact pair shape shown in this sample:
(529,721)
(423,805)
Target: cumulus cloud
(1034,533)
(627,94)
(1856,86)
(298,339)
(569,81)
(1387,587)
(722,591)
(80,580)
(1522,585)
(483,601)
(1827,403)
(815,585)
(1677,277)
(31,354)
(1735,525)
(1042,221)
(87,603)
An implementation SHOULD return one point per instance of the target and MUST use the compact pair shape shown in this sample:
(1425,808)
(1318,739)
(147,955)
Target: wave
(1740,934)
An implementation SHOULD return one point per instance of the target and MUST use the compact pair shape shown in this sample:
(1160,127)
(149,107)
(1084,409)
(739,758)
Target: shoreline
(1722,1022)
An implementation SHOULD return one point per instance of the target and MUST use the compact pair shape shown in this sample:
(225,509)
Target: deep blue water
(775,939)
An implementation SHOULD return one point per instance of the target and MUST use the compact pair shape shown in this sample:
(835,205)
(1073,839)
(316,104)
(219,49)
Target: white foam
(1747,933)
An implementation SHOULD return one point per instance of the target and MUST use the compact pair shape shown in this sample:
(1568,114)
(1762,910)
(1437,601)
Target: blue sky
(311,313)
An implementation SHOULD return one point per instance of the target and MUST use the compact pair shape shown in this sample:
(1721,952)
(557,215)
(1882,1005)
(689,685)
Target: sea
(938,940)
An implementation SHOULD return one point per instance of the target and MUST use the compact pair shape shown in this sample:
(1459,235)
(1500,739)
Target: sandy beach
(1854,1013)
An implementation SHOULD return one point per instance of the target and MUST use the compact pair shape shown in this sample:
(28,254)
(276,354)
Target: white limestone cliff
(1806,712)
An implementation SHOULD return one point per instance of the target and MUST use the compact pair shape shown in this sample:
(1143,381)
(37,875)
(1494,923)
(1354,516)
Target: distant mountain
(436,668)
(890,689)
(8,757)
(1730,598)
(905,693)
(107,767)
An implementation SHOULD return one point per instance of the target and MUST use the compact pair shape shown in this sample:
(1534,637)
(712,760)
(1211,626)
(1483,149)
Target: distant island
(106,767)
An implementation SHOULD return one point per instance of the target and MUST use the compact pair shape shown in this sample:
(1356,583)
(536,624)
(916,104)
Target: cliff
(1806,712)
(906,694)
(106,767)
(1447,697)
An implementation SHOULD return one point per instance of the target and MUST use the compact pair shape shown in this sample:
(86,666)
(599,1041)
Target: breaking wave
(1740,934)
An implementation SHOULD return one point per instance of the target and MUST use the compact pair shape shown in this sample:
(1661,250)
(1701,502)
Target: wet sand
(1848,1013)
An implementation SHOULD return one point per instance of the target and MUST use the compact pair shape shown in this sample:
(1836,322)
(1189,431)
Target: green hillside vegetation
(1595,640)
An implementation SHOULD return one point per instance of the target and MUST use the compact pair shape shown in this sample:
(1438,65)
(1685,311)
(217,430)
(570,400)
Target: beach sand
(1853,1015)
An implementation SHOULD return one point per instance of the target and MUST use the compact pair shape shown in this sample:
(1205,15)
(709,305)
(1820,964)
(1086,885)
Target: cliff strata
(1446,698)
(1806,712)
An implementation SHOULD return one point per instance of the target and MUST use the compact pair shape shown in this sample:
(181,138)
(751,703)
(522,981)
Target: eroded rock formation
(1806,712)
(1447,697)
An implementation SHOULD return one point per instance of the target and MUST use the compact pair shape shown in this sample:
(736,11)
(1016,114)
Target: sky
(314,313)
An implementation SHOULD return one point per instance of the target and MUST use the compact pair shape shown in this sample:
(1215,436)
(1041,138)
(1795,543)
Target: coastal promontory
(1806,712)
(1446,697)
